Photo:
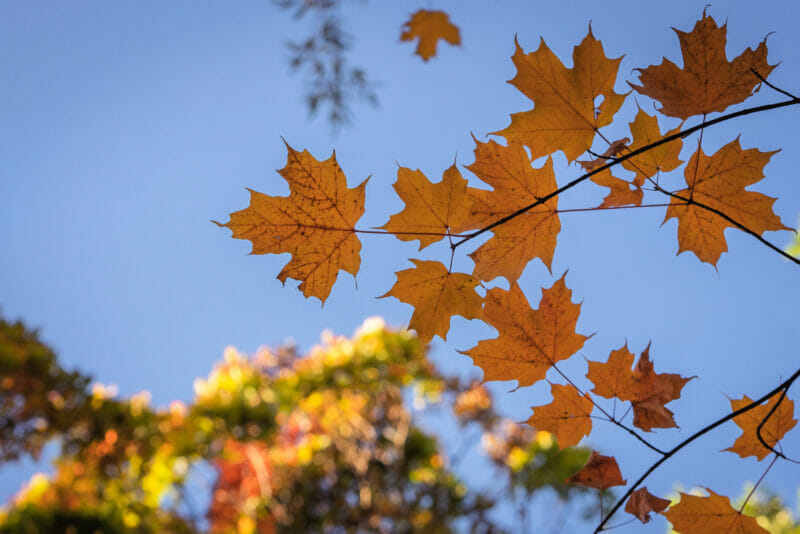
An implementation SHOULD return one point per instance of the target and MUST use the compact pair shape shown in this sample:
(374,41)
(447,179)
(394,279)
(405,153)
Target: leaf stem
(669,454)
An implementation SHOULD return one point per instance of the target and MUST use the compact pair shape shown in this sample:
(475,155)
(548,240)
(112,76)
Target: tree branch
(783,386)
(619,159)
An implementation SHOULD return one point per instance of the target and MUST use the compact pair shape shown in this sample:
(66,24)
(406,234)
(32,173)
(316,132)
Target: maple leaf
(613,149)
(708,82)
(564,116)
(568,416)
(601,472)
(779,423)
(437,295)
(430,209)
(315,223)
(718,181)
(621,193)
(515,184)
(429,27)
(663,158)
(710,515)
(642,502)
(529,341)
(647,390)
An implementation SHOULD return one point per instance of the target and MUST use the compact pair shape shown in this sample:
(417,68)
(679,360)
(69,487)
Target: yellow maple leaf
(437,295)
(707,82)
(663,158)
(564,116)
(429,27)
(718,181)
(568,416)
(529,341)
(710,515)
(431,210)
(315,223)
(515,184)
(780,422)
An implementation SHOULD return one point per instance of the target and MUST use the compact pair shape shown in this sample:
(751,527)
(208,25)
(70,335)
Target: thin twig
(784,385)
(758,482)
(610,418)
(774,88)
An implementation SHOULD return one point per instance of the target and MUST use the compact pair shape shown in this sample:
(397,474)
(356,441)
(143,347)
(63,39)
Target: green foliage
(317,443)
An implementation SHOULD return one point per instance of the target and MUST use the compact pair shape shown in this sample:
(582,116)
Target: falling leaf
(568,416)
(642,502)
(710,515)
(647,390)
(601,472)
(719,182)
(707,82)
(564,116)
(529,341)
(315,223)
(663,158)
(779,423)
(429,27)
(431,209)
(515,184)
(436,295)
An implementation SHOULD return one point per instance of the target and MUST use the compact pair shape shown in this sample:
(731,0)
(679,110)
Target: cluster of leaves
(316,223)
(320,443)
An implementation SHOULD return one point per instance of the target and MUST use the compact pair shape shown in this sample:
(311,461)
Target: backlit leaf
(564,116)
(601,472)
(436,295)
(568,416)
(710,515)
(779,423)
(718,181)
(707,82)
(529,341)
(315,223)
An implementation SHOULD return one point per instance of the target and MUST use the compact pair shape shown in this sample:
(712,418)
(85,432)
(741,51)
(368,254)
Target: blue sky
(127,126)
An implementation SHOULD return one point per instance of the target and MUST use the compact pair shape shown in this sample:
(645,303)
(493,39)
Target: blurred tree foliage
(320,443)
(332,82)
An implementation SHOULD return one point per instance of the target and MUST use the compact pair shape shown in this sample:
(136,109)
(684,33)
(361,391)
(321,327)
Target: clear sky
(126,126)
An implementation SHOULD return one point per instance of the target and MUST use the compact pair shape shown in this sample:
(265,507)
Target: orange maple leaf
(315,223)
(529,341)
(515,184)
(642,502)
(718,181)
(710,515)
(429,27)
(431,210)
(708,82)
(601,472)
(663,158)
(622,192)
(564,116)
(779,423)
(568,416)
(647,390)
(437,295)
